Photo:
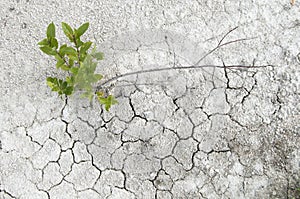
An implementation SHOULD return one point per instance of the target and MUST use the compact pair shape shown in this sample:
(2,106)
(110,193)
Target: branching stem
(194,66)
(178,68)
(63,58)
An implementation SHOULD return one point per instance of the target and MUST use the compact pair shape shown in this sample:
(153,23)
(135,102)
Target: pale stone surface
(101,157)
(49,152)
(190,133)
(161,145)
(108,180)
(184,150)
(134,131)
(180,123)
(83,175)
(216,103)
(66,161)
(142,188)
(112,178)
(173,168)
(81,131)
(59,191)
(90,194)
(140,166)
(51,176)
(15,141)
(164,195)
(163,181)
(61,136)
(120,193)
(80,152)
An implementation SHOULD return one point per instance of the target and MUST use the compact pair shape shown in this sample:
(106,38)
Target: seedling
(79,61)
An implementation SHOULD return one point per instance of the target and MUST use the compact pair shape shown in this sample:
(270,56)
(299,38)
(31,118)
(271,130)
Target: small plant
(78,61)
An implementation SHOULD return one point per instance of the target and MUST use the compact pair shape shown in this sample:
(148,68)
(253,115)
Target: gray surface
(178,134)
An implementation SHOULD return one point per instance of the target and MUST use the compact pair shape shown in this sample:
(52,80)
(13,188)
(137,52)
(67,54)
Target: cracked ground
(198,133)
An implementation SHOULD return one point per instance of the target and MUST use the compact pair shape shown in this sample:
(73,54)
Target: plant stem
(178,68)
(78,53)
(194,66)
(63,58)
(221,45)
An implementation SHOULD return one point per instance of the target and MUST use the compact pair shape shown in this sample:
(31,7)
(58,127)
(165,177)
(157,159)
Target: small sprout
(78,61)
(108,101)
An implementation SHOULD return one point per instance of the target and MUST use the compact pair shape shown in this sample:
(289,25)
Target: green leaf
(99,94)
(107,102)
(70,80)
(82,57)
(85,47)
(48,50)
(67,30)
(64,85)
(74,70)
(98,76)
(68,51)
(71,62)
(51,30)
(59,62)
(73,57)
(50,82)
(53,42)
(44,42)
(68,90)
(61,49)
(60,86)
(98,55)
(78,43)
(82,29)
(50,79)
(65,67)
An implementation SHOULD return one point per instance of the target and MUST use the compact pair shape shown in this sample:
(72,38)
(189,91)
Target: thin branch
(177,68)
(227,34)
(195,66)
(77,49)
(224,44)
(64,59)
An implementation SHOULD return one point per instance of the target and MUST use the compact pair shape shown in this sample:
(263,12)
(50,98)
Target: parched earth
(197,133)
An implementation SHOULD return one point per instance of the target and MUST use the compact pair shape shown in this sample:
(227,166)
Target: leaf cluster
(107,101)
(78,60)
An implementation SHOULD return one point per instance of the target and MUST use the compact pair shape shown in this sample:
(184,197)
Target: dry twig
(194,66)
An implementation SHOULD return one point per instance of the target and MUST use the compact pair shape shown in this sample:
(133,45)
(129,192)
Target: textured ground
(210,133)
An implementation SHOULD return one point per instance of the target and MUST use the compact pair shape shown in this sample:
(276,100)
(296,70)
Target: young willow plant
(78,60)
